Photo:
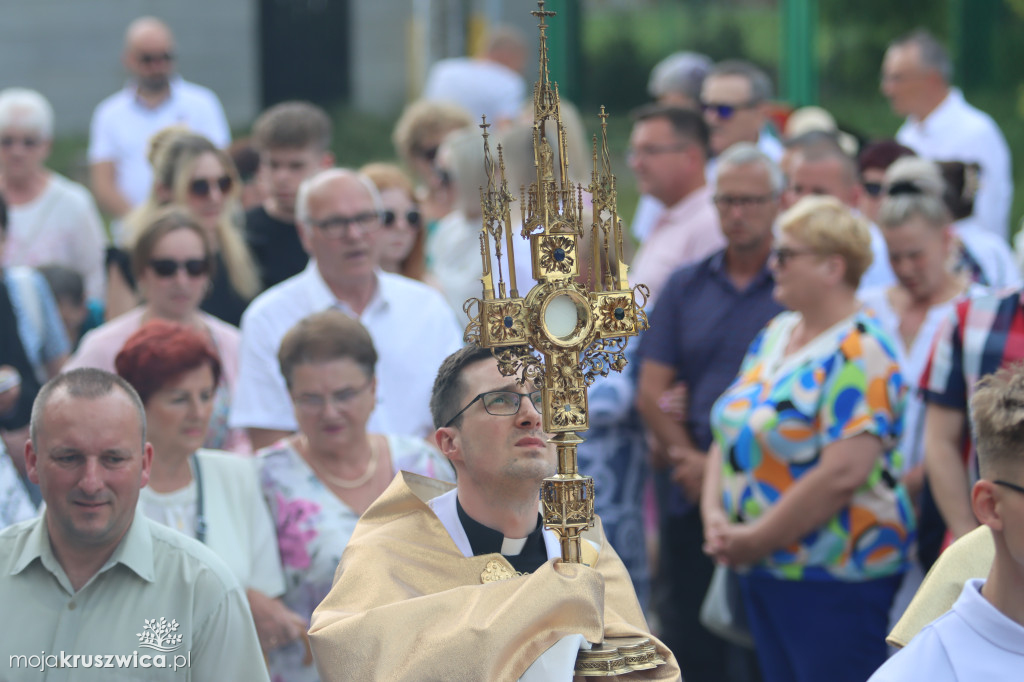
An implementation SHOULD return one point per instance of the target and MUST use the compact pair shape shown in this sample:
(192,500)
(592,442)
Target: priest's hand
(276,625)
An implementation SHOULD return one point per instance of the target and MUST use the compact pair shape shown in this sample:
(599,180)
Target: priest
(443,582)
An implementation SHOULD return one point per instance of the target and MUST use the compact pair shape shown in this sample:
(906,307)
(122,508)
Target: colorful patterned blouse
(776,418)
(313,527)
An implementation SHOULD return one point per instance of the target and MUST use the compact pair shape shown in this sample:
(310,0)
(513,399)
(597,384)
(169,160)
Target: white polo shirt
(956,131)
(122,125)
(972,642)
(413,330)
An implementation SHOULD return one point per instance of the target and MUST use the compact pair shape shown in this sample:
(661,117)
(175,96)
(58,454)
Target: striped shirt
(982,335)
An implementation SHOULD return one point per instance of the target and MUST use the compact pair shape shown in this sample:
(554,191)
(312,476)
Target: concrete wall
(70,51)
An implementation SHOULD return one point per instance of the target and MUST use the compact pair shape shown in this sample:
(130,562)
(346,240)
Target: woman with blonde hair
(403,243)
(800,490)
(191,172)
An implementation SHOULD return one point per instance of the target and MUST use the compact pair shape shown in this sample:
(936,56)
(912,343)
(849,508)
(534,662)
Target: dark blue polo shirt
(702,326)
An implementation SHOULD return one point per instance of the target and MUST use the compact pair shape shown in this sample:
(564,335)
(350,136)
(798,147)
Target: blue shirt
(702,327)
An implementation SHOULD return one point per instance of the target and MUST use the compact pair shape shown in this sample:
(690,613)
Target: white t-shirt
(413,330)
(61,226)
(973,642)
(480,86)
(121,128)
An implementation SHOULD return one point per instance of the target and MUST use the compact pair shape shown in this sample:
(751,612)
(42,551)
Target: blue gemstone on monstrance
(559,255)
(509,321)
(620,313)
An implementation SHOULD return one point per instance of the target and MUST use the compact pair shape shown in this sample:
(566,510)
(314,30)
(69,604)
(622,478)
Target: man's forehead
(484,375)
(746,174)
(343,196)
(66,415)
(727,84)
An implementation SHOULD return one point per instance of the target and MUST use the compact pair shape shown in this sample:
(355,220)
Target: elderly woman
(319,481)
(52,219)
(172,261)
(208,495)
(191,173)
(800,490)
(403,237)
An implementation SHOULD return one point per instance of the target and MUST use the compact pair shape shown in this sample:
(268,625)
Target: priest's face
(494,452)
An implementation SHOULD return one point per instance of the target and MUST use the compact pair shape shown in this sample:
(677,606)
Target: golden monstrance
(562,334)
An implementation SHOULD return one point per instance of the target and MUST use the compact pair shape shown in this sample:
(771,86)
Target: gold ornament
(562,334)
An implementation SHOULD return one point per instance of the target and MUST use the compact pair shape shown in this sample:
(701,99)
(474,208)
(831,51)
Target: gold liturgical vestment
(407,605)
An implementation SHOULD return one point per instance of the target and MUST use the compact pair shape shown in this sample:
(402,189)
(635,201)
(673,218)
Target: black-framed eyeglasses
(335,225)
(501,403)
(725,111)
(315,402)
(28,142)
(148,58)
(741,200)
(201,187)
(167,267)
(783,254)
(873,189)
(1011,486)
(390,217)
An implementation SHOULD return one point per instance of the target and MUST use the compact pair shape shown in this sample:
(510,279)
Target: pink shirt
(685,233)
(100,346)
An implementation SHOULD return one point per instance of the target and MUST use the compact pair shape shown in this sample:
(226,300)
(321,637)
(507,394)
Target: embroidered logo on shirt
(159,635)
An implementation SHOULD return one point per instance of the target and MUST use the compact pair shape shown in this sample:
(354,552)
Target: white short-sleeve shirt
(122,126)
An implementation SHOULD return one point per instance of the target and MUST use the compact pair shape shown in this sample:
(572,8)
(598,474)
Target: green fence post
(799,72)
(564,47)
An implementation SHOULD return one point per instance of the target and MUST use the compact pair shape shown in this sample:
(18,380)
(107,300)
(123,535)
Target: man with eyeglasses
(667,152)
(413,329)
(443,582)
(733,99)
(982,636)
(709,313)
(153,99)
(293,140)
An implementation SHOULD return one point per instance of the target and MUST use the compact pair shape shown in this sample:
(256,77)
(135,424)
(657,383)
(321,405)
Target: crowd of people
(240,422)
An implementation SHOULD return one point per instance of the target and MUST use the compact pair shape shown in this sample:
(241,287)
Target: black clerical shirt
(484,540)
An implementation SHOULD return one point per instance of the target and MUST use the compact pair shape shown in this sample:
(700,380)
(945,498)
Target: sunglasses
(166,267)
(201,187)
(149,58)
(873,189)
(725,111)
(9,141)
(430,153)
(390,217)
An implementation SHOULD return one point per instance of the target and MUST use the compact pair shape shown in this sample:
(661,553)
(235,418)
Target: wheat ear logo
(159,635)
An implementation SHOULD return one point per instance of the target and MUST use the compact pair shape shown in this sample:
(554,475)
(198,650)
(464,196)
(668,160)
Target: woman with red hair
(208,495)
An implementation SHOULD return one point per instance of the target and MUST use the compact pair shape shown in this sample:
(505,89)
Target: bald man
(413,328)
(153,98)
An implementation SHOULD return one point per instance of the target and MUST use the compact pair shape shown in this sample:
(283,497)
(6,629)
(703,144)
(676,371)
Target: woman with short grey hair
(52,219)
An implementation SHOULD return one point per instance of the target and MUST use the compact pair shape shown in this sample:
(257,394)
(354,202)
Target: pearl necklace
(345,483)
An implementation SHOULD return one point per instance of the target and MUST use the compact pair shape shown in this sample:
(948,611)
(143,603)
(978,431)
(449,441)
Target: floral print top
(783,410)
(313,526)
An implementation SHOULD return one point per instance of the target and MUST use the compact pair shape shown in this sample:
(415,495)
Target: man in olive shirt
(93,591)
